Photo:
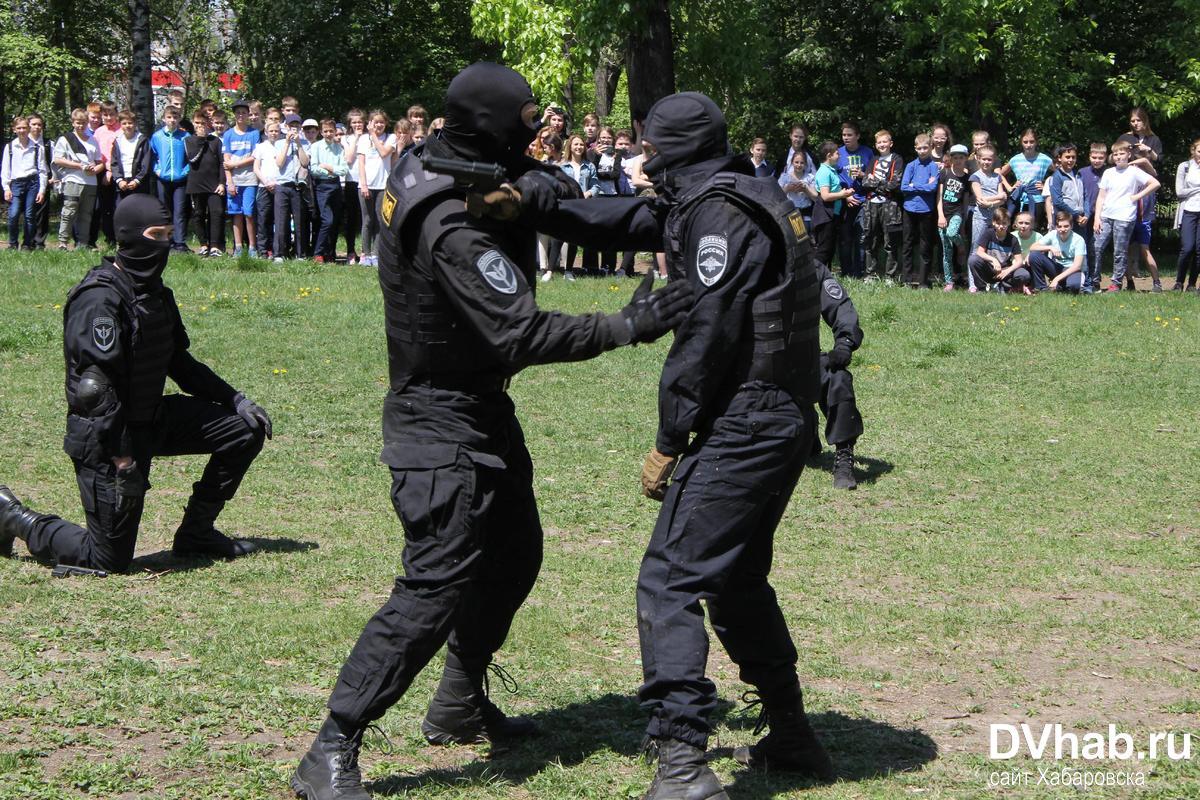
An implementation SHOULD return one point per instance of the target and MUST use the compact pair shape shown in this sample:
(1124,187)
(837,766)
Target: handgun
(67,570)
(480,176)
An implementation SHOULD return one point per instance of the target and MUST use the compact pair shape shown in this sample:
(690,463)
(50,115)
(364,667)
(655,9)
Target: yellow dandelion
(204,308)
(1157,319)
(1175,318)
(212,297)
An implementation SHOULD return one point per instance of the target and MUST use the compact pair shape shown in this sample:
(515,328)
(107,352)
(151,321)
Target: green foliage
(334,54)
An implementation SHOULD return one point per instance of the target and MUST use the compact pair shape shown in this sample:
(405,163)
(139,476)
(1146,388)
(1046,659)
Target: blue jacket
(920,184)
(170,160)
(1068,194)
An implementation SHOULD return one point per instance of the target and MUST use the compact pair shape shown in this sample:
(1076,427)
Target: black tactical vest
(148,327)
(785,347)
(428,344)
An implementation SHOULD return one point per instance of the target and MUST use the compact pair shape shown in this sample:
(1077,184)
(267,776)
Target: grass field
(1024,547)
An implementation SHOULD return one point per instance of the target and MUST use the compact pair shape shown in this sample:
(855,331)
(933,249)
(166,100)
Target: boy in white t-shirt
(267,173)
(1116,209)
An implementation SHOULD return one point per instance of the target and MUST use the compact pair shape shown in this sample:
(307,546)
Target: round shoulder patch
(712,256)
(498,273)
(834,289)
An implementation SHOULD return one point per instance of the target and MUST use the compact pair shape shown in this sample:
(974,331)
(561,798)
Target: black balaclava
(686,128)
(142,259)
(483,115)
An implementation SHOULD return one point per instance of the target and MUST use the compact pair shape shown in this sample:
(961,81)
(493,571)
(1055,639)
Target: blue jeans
(173,195)
(328,196)
(1043,266)
(23,206)
(1120,233)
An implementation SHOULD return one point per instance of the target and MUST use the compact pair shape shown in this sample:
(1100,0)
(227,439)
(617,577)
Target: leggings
(370,220)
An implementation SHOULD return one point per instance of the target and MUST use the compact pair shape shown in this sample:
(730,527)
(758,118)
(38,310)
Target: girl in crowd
(800,184)
(942,139)
(1030,168)
(1147,150)
(356,127)
(1187,189)
(584,172)
(375,151)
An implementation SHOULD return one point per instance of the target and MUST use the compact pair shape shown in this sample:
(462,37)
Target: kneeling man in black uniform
(122,338)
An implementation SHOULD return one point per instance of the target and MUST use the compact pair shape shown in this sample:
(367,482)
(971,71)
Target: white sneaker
(570,275)
(546,276)
(278,259)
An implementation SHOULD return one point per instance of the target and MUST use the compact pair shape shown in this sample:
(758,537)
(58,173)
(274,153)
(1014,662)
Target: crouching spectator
(997,260)
(1059,255)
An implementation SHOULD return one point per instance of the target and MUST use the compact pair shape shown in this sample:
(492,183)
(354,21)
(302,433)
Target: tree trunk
(650,61)
(606,77)
(141,93)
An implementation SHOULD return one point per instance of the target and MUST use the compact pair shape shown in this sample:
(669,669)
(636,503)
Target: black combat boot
(329,770)
(461,711)
(16,521)
(843,467)
(791,745)
(196,535)
(683,774)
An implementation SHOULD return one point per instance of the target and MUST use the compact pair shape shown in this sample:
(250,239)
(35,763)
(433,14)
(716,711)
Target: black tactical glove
(253,413)
(839,356)
(650,314)
(130,486)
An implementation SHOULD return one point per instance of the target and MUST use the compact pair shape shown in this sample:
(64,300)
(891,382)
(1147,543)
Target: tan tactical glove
(656,472)
(503,204)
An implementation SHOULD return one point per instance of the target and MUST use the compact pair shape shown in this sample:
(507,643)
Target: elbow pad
(93,392)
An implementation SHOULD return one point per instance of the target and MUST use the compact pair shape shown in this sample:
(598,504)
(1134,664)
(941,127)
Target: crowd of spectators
(292,186)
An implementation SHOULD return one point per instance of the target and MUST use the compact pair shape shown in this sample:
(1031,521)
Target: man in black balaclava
(122,338)
(461,322)
(742,375)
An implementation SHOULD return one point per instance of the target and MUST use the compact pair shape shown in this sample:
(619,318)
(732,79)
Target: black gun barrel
(65,570)
(472,172)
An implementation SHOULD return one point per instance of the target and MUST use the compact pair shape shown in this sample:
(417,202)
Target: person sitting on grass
(1059,255)
(997,260)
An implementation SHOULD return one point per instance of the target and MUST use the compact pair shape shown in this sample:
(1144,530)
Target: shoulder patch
(712,256)
(797,223)
(387,206)
(104,332)
(834,289)
(498,273)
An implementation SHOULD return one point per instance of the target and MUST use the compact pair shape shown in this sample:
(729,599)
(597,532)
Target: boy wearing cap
(241,184)
(291,153)
(312,135)
(951,209)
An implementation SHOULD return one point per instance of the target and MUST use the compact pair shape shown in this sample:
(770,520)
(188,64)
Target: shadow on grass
(866,469)
(165,560)
(862,749)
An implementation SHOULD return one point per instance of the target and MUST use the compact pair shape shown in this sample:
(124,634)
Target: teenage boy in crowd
(291,153)
(171,168)
(206,185)
(919,186)
(852,162)
(307,227)
(25,178)
(328,167)
(882,217)
(1090,175)
(241,185)
(1059,254)
(1121,188)
(131,161)
(267,173)
(1067,191)
(78,161)
(997,259)
(37,135)
(106,191)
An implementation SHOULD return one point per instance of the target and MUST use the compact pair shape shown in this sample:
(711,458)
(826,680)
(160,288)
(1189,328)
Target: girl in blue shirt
(1030,169)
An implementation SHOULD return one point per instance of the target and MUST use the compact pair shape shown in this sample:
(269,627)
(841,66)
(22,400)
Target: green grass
(1024,547)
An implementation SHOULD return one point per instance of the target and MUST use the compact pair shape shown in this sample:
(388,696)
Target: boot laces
(347,774)
(843,457)
(753,699)
(491,713)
